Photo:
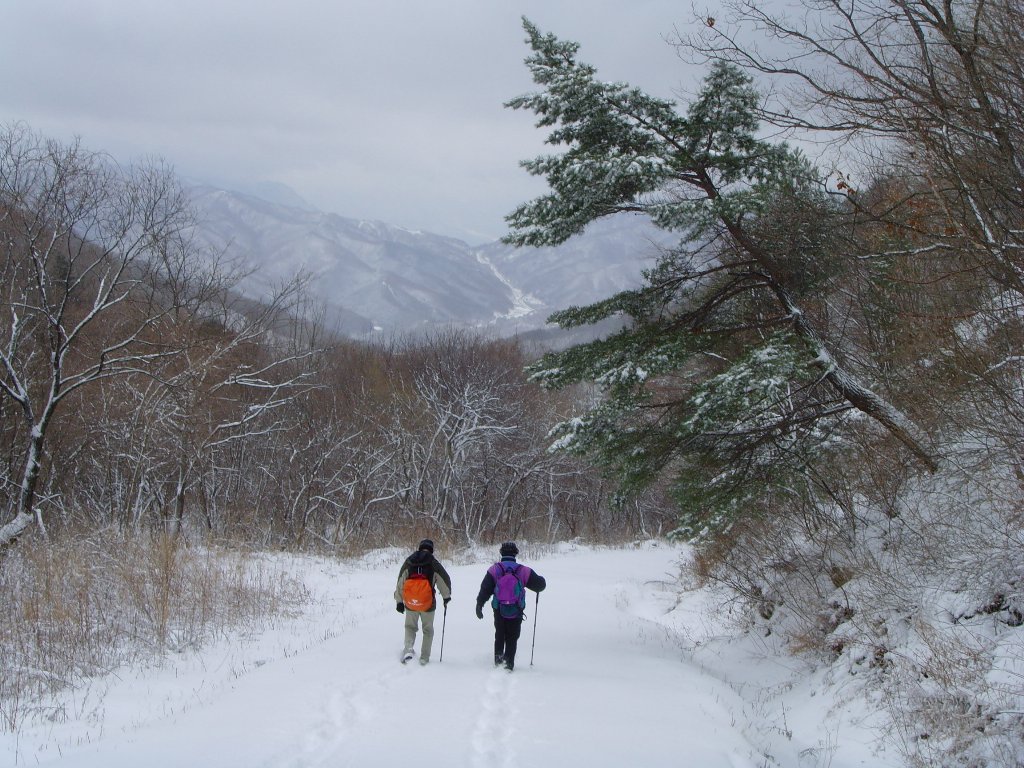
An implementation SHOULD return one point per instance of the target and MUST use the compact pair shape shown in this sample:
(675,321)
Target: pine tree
(719,372)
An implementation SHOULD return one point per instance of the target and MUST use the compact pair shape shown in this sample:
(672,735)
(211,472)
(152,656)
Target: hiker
(421,573)
(505,584)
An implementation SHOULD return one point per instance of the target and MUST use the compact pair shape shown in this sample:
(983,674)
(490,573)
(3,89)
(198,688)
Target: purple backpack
(509,588)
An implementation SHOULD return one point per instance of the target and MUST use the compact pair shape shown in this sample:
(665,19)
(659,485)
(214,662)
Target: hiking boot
(407,657)
(509,666)
(424,662)
(499,660)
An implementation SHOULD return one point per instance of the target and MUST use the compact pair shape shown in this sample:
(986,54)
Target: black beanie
(428,545)
(509,549)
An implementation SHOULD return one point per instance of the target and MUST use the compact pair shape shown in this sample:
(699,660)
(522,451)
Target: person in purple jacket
(505,585)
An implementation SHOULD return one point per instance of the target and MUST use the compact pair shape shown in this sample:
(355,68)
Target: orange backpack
(417,593)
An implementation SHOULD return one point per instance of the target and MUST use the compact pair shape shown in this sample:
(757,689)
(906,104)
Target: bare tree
(80,238)
(232,382)
(940,84)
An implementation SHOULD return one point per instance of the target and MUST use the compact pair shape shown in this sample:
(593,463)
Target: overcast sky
(380,109)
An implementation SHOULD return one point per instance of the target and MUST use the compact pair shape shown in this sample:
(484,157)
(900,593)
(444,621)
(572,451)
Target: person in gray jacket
(421,573)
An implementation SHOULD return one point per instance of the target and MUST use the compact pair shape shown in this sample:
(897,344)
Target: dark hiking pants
(506,639)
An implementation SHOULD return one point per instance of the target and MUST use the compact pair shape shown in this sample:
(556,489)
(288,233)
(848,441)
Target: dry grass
(75,608)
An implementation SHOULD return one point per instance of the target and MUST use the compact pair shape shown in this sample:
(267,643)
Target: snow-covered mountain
(379,278)
(605,259)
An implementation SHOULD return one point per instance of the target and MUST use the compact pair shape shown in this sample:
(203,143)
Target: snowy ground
(627,671)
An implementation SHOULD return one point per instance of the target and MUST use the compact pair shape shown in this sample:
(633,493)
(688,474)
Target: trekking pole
(444,620)
(536,605)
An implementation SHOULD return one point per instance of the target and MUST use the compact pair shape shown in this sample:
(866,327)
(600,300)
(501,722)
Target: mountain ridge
(374,277)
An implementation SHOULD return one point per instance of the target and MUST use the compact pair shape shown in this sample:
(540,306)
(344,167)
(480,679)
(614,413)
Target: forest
(820,387)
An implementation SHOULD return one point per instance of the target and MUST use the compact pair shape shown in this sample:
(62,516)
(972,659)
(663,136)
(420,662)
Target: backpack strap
(423,570)
(419,566)
(497,571)
(500,569)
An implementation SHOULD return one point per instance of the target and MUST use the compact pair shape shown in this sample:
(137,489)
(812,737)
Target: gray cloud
(385,109)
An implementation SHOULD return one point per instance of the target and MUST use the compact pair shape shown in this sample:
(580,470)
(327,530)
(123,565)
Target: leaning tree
(730,365)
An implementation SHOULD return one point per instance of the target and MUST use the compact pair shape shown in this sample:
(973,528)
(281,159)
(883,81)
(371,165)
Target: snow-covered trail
(609,686)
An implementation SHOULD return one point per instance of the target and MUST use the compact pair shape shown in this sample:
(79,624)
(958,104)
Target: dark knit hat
(428,545)
(509,549)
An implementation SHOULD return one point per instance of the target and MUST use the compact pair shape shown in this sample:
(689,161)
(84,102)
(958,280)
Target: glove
(479,612)
(400,607)
(446,601)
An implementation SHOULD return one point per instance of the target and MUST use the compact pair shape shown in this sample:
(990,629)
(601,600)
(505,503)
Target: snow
(629,668)
(523,304)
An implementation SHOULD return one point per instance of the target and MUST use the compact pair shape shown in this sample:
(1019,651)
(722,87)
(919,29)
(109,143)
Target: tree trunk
(860,397)
(26,500)
(15,528)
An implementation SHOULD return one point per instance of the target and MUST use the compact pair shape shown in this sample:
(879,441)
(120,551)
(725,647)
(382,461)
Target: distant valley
(376,278)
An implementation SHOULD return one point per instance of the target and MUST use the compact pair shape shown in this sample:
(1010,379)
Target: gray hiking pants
(412,619)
